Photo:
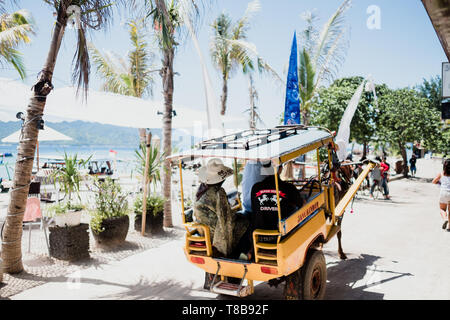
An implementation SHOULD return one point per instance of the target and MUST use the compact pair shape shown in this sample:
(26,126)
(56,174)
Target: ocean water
(125,157)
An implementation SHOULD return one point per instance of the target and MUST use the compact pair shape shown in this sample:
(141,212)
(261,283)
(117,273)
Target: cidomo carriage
(296,257)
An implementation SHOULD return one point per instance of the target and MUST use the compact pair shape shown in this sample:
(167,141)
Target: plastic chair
(33,212)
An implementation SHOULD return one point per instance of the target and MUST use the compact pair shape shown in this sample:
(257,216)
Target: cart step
(231,289)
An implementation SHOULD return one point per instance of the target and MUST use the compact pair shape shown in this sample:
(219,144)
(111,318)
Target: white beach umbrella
(47,134)
(108,108)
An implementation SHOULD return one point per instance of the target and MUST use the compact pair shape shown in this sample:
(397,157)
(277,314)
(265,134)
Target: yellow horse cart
(296,258)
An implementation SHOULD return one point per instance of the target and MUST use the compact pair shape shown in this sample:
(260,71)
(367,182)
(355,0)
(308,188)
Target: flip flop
(445,225)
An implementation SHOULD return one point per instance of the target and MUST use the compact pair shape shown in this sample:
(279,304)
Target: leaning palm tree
(226,55)
(130,76)
(84,15)
(168,19)
(15,29)
(322,54)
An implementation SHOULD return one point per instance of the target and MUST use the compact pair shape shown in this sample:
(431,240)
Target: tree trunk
(405,159)
(167,132)
(364,150)
(12,232)
(224,95)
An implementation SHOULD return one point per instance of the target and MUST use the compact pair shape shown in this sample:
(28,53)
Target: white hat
(266,168)
(214,172)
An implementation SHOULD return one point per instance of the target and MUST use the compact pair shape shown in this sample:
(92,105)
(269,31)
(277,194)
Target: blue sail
(292,104)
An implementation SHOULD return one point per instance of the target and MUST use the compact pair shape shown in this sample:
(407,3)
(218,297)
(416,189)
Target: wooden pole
(145,181)
(37,155)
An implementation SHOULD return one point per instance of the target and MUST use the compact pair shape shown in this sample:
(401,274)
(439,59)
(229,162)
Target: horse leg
(342,255)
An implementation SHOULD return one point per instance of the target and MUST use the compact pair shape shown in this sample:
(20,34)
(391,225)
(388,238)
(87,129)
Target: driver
(264,199)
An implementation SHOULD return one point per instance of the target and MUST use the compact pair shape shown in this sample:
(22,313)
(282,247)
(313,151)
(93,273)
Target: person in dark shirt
(264,199)
(412,163)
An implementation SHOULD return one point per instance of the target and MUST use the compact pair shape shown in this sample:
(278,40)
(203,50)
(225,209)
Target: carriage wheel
(309,282)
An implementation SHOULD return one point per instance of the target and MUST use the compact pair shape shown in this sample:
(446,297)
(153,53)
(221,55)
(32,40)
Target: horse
(342,174)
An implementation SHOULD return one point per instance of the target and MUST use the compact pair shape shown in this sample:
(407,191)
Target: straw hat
(214,172)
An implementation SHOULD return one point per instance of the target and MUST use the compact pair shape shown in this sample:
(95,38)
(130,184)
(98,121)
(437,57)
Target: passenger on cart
(213,209)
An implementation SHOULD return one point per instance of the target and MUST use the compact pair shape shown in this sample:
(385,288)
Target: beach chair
(33,213)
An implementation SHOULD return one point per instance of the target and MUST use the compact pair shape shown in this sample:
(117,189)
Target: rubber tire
(315,266)
(298,283)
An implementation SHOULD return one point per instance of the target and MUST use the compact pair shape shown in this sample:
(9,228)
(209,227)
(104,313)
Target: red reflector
(198,260)
(269,270)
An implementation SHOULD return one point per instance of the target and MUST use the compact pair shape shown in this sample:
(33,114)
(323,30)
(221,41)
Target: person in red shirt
(384,177)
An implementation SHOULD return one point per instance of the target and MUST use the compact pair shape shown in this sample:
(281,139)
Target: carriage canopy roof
(279,144)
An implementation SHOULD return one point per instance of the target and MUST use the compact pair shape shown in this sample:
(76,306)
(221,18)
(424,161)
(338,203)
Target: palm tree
(322,55)
(15,29)
(86,15)
(169,22)
(131,76)
(226,54)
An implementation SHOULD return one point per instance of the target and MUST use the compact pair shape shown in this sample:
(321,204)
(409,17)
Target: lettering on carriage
(308,211)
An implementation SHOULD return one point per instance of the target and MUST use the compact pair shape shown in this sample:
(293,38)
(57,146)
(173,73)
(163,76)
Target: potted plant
(109,221)
(154,205)
(69,238)
(69,179)
(67,214)
(154,217)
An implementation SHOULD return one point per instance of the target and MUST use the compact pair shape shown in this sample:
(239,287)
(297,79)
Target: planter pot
(69,219)
(115,231)
(153,224)
(69,243)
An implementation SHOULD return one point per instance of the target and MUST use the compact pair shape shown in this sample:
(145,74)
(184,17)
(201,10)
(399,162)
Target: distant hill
(85,133)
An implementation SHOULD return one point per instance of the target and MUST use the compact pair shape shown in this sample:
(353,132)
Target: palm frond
(243,24)
(81,62)
(306,76)
(15,29)
(108,70)
(329,39)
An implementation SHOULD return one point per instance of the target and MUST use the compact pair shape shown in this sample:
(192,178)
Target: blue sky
(401,53)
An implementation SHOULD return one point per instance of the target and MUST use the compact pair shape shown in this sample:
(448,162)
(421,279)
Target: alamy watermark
(374,19)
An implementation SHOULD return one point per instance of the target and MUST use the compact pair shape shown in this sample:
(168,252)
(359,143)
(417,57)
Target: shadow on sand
(346,279)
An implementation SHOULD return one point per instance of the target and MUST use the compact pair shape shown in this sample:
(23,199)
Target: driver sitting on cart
(264,200)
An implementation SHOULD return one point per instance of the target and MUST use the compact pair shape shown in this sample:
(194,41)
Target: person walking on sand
(443,178)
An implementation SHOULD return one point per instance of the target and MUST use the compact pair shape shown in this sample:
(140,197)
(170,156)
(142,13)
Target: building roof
(439,13)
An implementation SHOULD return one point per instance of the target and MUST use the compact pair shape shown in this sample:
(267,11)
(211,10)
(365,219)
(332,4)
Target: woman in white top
(443,178)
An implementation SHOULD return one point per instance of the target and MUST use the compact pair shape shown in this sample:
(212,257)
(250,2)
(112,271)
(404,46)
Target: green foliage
(154,164)
(405,116)
(62,208)
(329,107)
(69,177)
(155,205)
(15,29)
(131,77)
(322,55)
(432,90)
(110,202)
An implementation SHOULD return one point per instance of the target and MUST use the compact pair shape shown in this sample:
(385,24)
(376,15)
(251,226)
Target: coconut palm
(322,54)
(130,76)
(15,29)
(169,20)
(84,15)
(226,55)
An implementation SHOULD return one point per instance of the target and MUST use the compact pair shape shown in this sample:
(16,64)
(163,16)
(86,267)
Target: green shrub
(63,207)
(155,205)
(110,202)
